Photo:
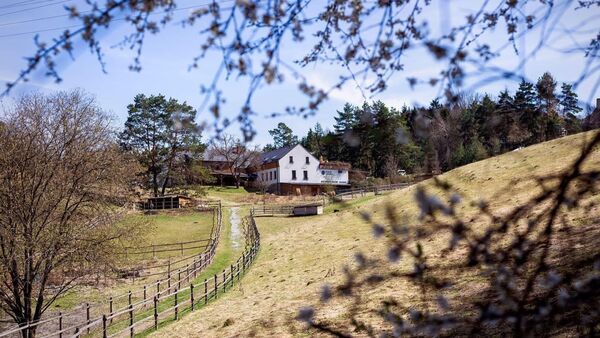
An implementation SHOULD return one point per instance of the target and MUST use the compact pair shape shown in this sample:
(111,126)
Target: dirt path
(297,256)
(236,232)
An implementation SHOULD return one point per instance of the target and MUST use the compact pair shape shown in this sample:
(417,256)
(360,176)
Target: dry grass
(298,255)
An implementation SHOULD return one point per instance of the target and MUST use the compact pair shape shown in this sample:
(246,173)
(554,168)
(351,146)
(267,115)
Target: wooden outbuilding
(166,202)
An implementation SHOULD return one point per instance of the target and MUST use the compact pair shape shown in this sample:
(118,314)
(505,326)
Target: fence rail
(272,210)
(359,192)
(122,307)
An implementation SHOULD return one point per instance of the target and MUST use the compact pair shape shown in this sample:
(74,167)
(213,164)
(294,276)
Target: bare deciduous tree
(237,155)
(61,180)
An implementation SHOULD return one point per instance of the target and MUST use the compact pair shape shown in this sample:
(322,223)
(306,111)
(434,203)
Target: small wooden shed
(308,209)
(166,202)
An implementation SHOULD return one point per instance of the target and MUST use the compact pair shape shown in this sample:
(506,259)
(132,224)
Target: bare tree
(235,153)
(61,180)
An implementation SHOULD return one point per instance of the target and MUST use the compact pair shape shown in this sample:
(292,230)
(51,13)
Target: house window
(307,160)
(291,159)
(270,175)
(293,174)
(339,171)
(262,176)
(305,175)
(275,174)
(322,172)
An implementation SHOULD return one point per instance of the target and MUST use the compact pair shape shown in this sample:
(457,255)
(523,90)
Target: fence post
(205,291)
(192,295)
(104,326)
(224,279)
(179,279)
(169,283)
(231,275)
(155,313)
(60,324)
(144,295)
(76,332)
(110,308)
(130,320)
(243,261)
(176,307)
(216,290)
(87,316)
(129,298)
(158,288)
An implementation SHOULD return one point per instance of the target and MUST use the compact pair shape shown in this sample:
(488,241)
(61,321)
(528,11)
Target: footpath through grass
(228,251)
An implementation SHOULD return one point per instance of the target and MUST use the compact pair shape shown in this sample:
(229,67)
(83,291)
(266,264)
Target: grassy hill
(299,255)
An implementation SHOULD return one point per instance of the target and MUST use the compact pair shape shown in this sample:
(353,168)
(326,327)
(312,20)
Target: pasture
(164,227)
(299,255)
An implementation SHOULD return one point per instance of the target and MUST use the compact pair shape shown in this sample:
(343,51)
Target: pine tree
(313,142)
(547,100)
(531,118)
(156,131)
(283,136)
(568,100)
(570,109)
(546,86)
(488,120)
(506,111)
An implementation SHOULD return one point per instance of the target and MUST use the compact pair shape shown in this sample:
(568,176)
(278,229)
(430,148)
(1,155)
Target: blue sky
(166,58)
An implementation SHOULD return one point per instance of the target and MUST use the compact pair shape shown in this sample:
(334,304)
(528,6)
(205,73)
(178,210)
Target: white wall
(316,175)
(299,154)
(334,176)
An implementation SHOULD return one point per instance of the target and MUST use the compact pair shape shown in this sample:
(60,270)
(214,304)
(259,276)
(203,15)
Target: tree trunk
(164,186)
(155,182)
(29,332)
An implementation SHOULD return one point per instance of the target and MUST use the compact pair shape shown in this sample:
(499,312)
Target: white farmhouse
(293,170)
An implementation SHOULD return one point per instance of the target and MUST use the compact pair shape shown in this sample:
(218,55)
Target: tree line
(381,140)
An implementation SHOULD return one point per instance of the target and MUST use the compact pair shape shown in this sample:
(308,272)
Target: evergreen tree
(346,139)
(313,142)
(157,130)
(530,116)
(283,136)
(546,87)
(568,100)
(387,126)
(488,122)
(345,119)
(569,105)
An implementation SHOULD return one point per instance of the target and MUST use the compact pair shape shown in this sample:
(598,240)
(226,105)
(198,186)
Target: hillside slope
(298,255)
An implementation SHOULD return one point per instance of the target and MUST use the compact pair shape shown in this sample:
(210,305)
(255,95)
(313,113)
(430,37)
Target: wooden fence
(164,300)
(359,192)
(272,210)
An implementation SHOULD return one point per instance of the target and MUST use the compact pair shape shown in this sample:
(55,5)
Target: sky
(167,56)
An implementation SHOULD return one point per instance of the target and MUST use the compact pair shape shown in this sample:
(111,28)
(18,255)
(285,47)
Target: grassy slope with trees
(298,255)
